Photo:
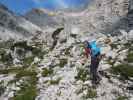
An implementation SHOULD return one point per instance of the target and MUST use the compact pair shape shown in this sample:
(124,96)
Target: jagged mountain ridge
(13,26)
(42,18)
(100,15)
(94,19)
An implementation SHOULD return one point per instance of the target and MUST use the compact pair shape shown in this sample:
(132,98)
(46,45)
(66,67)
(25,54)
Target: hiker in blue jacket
(94,51)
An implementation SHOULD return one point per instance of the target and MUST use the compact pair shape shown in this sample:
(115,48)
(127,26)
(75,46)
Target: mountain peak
(40,11)
(3,7)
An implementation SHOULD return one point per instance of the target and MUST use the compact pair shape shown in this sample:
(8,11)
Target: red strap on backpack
(87,51)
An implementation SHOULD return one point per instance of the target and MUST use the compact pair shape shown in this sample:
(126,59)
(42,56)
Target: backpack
(95,50)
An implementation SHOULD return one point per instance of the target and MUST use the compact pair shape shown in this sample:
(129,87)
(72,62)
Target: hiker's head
(86,44)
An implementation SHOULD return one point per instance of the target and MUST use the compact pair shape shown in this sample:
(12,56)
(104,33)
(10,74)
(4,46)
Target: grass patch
(67,50)
(22,44)
(130,49)
(123,70)
(6,44)
(91,93)
(2,51)
(10,70)
(36,50)
(129,46)
(113,46)
(79,91)
(27,61)
(20,72)
(63,62)
(82,74)
(122,98)
(111,62)
(55,82)
(6,58)
(25,73)
(28,90)
(130,57)
(47,71)
(2,88)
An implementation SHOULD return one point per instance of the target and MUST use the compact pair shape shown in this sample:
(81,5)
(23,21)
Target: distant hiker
(56,33)
(94,51)
(55,37)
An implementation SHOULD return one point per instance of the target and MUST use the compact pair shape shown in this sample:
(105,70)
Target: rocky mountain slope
(130,15)
(50,65)
(12,26)
(31,70)
(42,17)
(101,15)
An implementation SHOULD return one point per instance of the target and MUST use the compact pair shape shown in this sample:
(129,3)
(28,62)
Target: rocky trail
(58,74)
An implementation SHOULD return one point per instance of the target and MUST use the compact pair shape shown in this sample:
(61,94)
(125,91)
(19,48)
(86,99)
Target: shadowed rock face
(130,15)
(131,5)
(55,37)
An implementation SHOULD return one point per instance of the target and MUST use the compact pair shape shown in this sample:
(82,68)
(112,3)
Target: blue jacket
(95,50)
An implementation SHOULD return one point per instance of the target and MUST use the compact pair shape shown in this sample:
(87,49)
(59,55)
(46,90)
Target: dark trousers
(93,69)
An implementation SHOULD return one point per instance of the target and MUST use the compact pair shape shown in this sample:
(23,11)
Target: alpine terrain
(42,52)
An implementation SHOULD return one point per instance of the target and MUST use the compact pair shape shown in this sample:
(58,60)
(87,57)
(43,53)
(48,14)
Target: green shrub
(91,93)
(55,82)
(129,46)
(26,93)
(79,91)
(114,46)
(20,72)
(35,50)
(6,44)
(2,88)
(10,70)
(38,52)
(63,62)
(2,51)
(6,58)
(21,44)
(28,90)
(130,57)
(27,61)
(123,69)
(82,74)
(47,72)
(111,62)
(122,98)
(25,73)
(67,50)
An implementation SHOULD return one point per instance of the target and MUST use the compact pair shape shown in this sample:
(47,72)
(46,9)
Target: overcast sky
(22,6)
